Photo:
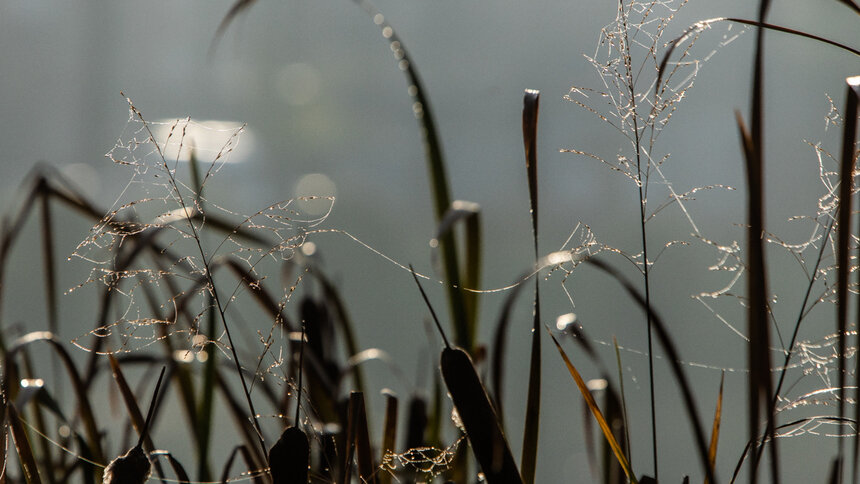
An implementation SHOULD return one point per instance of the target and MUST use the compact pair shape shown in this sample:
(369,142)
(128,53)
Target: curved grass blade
(177,467)
(665,339)
(595,410)
(48,259)
(249,460)
(499,345)
(528,462)
(438,176)
(715,430)
(84,407)
(703,24)
(22,446)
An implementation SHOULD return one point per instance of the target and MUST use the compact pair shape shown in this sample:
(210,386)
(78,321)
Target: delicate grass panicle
(171,268)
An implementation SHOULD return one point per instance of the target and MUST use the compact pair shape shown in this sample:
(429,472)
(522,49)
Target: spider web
(159,247)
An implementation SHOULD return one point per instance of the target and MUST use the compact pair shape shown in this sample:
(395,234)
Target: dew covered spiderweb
(161,246)
(638,101)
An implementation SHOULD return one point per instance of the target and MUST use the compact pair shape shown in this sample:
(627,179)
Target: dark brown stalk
(528,462)
(642,184)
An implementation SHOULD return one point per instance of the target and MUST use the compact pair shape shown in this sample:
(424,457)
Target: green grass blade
(595,410)
(439,187)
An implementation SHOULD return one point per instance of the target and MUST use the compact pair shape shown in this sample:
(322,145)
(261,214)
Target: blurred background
(327,113)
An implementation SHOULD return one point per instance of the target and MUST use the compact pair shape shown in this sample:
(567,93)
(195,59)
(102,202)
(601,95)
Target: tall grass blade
(715,430)
(499,344)
(843,250)
(702,24)
(758,353)
(22,446)
(851,4)
(531,104)
(595,410)
(441,192)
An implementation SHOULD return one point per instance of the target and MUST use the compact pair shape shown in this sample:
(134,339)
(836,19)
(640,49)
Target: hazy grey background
(321,93)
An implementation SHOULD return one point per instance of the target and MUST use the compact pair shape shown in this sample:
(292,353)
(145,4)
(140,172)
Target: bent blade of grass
(84,406)
(715,430)
(672,356)
(595,410)
(22,446)
(528,463)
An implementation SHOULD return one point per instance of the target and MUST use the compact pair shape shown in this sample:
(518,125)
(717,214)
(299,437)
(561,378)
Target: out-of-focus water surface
(328,113)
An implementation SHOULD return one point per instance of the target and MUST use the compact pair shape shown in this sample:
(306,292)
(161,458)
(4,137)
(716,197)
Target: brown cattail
(131,468)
